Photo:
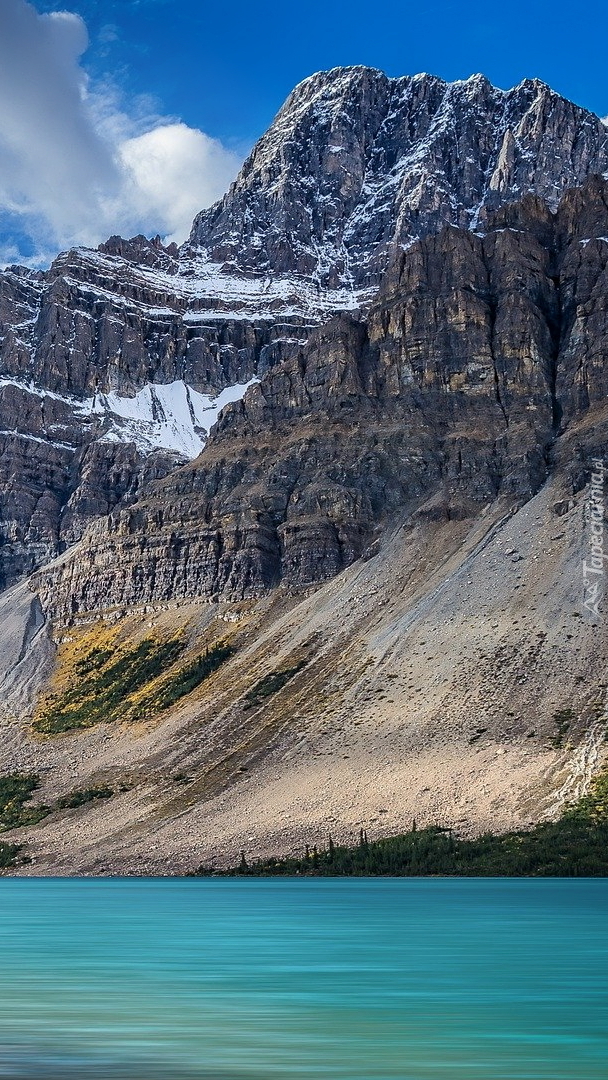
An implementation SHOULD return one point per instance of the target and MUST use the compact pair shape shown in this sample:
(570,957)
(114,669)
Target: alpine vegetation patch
(594,560)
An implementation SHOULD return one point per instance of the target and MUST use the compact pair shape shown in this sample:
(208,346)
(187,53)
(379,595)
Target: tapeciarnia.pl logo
(594,562)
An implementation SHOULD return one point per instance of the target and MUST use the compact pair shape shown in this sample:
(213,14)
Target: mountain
(360,582)
(109,360)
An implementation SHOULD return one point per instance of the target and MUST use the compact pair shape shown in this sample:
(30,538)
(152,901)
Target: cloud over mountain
(74,167)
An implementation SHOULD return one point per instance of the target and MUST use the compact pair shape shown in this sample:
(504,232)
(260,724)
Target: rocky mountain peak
(336,83)
(357,164)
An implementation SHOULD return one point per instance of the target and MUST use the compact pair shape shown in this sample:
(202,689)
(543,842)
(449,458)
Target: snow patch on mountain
(197,289)
(160,416)
(170,416)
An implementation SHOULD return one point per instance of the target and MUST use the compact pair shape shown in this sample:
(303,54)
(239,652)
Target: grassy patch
(562,720)
(83,795)
(575,845)
(270,684)
(93,661)
(9,856)
(15,791)
(104,683)
(182,682)
(102,678)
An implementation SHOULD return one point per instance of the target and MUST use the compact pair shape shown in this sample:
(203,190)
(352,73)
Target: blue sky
(227,67)
(160,99)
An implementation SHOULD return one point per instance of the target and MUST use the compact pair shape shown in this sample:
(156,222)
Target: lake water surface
(416,979)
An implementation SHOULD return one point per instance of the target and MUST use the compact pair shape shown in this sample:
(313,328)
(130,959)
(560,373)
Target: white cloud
(74,166)
(173,172)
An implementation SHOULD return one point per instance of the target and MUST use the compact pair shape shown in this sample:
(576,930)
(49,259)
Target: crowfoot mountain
(294,517)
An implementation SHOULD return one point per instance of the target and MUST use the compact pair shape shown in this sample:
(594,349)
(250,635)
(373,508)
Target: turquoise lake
(416,979)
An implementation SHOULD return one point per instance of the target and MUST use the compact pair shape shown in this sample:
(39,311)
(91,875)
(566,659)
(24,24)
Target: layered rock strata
(453,392)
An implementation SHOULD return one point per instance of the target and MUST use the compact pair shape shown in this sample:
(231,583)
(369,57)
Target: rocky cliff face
(357,164)
(114,364)
(450,394)
(108,380)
